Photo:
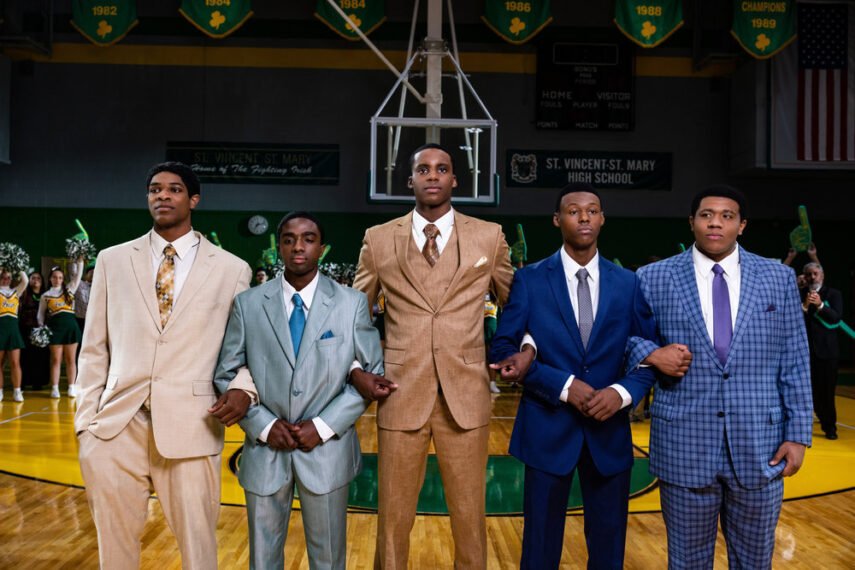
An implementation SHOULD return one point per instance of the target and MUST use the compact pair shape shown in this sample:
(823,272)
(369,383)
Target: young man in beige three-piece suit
(435,267)
(156,318)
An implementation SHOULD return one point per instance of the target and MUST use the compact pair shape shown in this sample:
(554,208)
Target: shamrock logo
(355,21)
(104,29)
(517,26)
(762,42)
(217,20)
(647,30)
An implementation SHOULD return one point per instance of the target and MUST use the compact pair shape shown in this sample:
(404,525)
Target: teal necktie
(297,322)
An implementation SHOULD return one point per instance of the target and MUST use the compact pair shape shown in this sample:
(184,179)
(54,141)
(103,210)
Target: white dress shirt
(704,276)
(445,225)
(185,253)
(307,294)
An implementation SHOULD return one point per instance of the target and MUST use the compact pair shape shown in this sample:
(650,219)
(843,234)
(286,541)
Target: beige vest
(436,279)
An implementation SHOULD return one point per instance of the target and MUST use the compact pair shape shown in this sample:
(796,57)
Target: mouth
(162,207)
(298,259)
(715,237)
(585,230)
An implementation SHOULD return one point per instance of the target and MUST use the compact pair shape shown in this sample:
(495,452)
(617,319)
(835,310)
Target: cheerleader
(57,304)
(11,342)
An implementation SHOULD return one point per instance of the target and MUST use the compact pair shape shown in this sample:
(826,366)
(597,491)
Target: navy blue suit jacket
(548,433)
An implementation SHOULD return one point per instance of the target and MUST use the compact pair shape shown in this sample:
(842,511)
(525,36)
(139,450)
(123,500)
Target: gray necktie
(586,311)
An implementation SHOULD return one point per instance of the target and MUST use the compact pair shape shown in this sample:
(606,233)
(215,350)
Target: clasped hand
(301,435)
(598,404)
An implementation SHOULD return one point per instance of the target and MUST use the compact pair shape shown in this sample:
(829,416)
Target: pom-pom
(76,248)
(41,336)
(13,259)
(343,273)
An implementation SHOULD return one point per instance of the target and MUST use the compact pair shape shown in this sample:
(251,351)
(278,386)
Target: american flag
(826,101)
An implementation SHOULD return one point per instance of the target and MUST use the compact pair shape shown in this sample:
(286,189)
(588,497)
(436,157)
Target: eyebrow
(726,210)
(426,165)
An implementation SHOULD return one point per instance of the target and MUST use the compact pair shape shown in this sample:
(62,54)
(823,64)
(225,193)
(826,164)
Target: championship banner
(648,22)
(764,28)
(516,22)
(216,18)
(104,22)
(366,15)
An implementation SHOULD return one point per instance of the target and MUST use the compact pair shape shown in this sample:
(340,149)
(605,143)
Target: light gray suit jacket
(302,386)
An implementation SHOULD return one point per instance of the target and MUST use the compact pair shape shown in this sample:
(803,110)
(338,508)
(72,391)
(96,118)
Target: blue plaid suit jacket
(760,397)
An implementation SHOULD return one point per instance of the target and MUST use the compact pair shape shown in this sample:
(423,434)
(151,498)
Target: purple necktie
(722,324)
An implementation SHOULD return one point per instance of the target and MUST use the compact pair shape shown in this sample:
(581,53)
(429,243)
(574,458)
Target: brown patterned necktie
(430,250)
(165,284)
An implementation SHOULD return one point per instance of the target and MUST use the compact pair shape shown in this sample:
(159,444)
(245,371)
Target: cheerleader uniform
(10,334)
(59,312)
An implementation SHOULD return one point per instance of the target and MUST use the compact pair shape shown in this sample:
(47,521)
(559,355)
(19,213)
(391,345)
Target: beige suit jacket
(127,356)
(432,344)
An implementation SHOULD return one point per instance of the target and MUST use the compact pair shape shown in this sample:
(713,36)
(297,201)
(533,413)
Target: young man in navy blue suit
(580,309)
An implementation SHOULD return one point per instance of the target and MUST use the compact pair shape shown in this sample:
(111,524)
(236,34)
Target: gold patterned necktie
(165,284)
(430,250)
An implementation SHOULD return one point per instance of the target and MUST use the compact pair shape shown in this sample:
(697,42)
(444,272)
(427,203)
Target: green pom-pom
(13,259)
(76,248)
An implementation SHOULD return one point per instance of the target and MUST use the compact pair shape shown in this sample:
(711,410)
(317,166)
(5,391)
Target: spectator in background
(820,300)
(81,298)
(260,276)
(34,359)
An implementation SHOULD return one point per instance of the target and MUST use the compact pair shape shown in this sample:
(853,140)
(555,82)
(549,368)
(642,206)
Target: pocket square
(481,261)
(327,334)
(771,307)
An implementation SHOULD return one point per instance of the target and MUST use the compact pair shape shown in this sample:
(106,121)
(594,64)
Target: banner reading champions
(764,28)
(367,15)
(104,22)
(648,22)
(216,18)
(516,21)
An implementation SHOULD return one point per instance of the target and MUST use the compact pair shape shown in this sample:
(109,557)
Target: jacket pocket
(394,355)
(776,415)
(203,389)
(663,412)
(474,355)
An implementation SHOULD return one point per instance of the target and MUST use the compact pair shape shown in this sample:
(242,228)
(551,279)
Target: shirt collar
(307,293)
(444,223)
(182,245)
(704,265)
(571,266)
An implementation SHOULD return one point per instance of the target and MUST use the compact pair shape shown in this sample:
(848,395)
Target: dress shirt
(307,294)
(185,253)
(704,277)
(445,225)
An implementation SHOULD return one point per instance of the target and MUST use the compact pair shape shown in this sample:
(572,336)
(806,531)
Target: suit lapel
(403,235)
(467,256)
(323,304)
(198,275)
(605,298)
(274,308)
(143,272)
(687,285)
(558,284)
(748,293)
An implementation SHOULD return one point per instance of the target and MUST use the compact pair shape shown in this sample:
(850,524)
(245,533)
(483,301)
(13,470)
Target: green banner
(216,18)
(516,21)
(648,22)
(764,28)
(366,15)
(104,22)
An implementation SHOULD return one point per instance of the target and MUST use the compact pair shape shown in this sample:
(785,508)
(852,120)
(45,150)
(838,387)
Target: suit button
(721,414)
(436,349)
(297,392)
(161,342)
(726,376)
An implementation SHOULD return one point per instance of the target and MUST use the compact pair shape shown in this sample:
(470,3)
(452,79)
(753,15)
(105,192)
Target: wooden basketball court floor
(45,521)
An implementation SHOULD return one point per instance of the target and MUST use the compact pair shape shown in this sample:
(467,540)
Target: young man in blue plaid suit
(732,410)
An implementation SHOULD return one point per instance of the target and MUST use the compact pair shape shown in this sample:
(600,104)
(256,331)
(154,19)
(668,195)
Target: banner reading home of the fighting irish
(104,22)
(764,28)
(364,14)
(516,21)
(216,18)
(648,22)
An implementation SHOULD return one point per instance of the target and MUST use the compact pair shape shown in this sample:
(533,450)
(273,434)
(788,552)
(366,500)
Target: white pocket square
(480,262)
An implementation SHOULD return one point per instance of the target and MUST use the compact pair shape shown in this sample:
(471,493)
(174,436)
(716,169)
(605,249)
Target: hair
(188,177)
(257,269)
(812,264)
(722,191)
(427,146)
(65,293)
(304,215)
(30,283)
(577,187)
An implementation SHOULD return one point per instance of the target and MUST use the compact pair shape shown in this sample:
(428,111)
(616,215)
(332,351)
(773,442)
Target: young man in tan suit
(156,319)
(435,267)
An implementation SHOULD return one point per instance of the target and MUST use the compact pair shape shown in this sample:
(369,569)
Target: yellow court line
(308,58)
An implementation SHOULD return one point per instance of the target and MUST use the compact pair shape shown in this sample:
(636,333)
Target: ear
(692,223)
(194,199)
(453,181)
(555,220)
(742,225)
(410,182)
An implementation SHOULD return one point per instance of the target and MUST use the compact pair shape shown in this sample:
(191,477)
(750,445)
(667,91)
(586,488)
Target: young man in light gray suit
(300,336)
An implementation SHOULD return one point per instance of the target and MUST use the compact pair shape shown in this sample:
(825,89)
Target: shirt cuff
(323,429)
(265,432)
(527,339)
(253,399)
(353,366)
(624,395)
(565,392)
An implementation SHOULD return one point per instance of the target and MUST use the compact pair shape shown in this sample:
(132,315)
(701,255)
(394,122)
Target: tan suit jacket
(433,343)
(127,356)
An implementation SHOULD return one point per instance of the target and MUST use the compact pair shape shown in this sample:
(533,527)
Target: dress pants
(823,380)
(121,473)
(402,460)
(606,502)
(748,520)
